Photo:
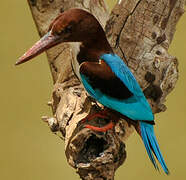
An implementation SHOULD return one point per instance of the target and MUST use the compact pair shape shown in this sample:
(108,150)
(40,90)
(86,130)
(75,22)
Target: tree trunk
(140,32)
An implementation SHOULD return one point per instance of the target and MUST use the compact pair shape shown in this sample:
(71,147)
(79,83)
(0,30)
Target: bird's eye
(68,29)
(59,32)
(65,30)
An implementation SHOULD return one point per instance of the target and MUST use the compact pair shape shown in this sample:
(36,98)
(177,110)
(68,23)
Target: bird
(104,75)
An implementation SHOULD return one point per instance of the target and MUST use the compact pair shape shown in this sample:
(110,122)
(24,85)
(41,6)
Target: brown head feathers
(73,25)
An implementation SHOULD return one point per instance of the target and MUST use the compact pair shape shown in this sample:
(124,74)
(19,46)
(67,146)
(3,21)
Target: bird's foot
(103,114)
(105,128)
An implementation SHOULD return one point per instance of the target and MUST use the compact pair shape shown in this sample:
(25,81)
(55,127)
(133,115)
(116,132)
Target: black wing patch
(101,77)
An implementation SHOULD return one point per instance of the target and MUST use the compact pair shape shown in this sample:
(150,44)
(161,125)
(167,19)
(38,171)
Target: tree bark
(140,31)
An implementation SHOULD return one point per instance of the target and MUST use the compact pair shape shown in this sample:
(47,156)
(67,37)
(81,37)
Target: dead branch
(140,31)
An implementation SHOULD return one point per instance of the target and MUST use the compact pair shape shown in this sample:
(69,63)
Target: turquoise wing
(135,107)
(123,73)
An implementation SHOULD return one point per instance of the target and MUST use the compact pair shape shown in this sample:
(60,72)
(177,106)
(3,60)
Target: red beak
(47,41)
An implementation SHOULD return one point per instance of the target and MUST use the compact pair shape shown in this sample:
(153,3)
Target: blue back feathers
(135,107)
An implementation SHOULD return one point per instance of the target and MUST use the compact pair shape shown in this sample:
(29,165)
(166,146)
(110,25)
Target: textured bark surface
(140,31)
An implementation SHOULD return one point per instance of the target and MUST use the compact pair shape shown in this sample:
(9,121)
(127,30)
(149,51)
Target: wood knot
(153,92)
(153,35)
(149,77)
(33,2)
(160,39)
(158,52)
(155,19)
(108,28)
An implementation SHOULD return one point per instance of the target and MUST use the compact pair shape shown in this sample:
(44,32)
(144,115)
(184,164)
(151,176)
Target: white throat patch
(75,47)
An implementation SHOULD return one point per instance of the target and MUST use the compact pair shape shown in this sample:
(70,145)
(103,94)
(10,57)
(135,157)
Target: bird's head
(74,25)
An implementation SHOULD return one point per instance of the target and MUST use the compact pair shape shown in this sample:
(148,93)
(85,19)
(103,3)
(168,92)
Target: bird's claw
(103,115)
(105,128)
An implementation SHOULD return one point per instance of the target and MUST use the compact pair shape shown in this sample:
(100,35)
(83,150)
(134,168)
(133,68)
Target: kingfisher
(104,75)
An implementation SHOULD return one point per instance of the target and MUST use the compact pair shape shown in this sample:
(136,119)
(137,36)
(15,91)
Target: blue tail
(151,145)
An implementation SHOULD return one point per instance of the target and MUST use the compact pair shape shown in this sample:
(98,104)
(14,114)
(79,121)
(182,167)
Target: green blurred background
(28,150)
